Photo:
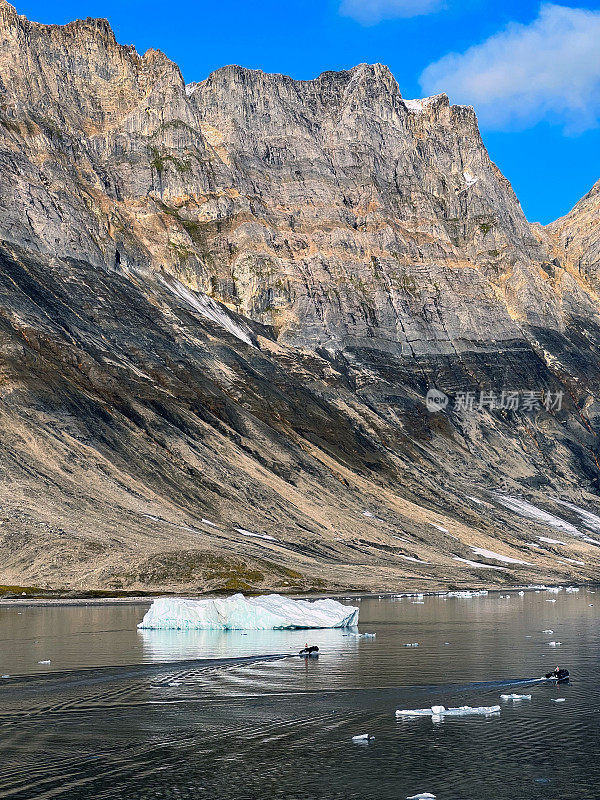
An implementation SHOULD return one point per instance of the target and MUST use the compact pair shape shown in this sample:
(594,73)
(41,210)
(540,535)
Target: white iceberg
(442,711)
(268,612)
(554,644)
(515,696)
(363,737)
(422,796)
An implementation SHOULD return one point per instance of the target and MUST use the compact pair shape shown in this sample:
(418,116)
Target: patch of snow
(528,510)
(210,309)
(566,560)
(208,522)
(244,532)
(267,612)
(551,541)
(481,551)
(439,527)
(470,179)
(591,521)
(478,564)
(419,106)
(416,560)
(475,500)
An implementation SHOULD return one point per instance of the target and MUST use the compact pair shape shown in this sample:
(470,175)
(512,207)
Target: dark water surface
(128,714)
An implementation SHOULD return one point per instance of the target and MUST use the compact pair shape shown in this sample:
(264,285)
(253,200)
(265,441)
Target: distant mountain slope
(222,307)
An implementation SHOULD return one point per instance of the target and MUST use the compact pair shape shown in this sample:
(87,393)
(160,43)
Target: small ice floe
(6,676)
(363,737)
(548,631)
(422,796)
(554,644)
(515,696)
(362,635)
(521,594)
(558,699)
(551,601)
(418,602)
(504,597)
(46,661)
(174,683)
(572,589)
(554,589)
(442,711)
(467,594)
(411,644)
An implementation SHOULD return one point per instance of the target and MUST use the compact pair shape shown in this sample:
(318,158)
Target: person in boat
(558,674)
(308,650)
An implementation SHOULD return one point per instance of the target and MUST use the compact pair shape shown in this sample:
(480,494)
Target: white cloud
(369,12)
(547,70)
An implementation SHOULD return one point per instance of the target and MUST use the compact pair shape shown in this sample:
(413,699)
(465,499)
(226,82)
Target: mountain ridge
(222,307)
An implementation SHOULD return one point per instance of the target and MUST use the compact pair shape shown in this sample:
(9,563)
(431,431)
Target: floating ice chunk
(467,594)
(548,631)
(515,696)
(363,737)
(47,661)
(268,612)
(442,711)
(422,796)
(6,676)
(521,594)
(572,589)
(481,551)
(411,644)
(558,699)
(554,644)
(418,602)
(174,683)
(551,601)
(363,635)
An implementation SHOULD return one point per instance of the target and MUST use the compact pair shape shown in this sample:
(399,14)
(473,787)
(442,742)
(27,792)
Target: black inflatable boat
(558,676)
(309,652)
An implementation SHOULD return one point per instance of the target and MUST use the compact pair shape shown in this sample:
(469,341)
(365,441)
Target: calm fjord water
(128,714)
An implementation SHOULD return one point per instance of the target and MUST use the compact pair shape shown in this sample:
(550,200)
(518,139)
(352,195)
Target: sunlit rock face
(222,306)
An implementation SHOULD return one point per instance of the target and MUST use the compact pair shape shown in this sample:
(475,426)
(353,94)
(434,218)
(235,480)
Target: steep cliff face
(222,306)
(577,236)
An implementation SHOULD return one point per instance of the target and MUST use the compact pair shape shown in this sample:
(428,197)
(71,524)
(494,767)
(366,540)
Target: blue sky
(531,70)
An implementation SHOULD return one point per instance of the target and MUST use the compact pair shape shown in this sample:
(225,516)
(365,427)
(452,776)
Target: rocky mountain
(222,306)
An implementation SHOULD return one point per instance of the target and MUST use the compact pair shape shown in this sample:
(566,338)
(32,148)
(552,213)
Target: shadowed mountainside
(222,306)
